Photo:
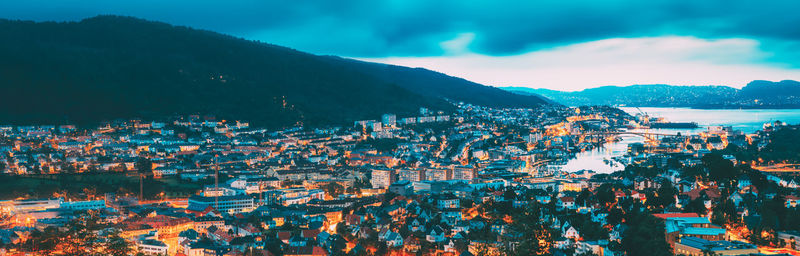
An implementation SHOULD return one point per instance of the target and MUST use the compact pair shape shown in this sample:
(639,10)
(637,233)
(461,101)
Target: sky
(562,45)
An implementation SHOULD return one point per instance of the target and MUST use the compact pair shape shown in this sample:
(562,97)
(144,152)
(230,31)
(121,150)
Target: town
(478,181)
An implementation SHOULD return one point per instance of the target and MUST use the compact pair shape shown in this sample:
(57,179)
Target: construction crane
(641,112)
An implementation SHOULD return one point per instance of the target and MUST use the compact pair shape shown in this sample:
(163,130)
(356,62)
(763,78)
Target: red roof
(305,250)
(310,233)
(676,215)
(711,193)
(284,235)
(353,219)
(222,235)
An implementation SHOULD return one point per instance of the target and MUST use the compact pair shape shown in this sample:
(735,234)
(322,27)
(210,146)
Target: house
(562,243)
(394,239)
(461,226)
(599,217)
(499,227)
(566,202)
(447,202)
(435,235)
(543,199)
(450,246)
(353,219)
(477,223)
(569,231)
(743,181)
(451,216)
(416,224)
(298,241)
(412,244)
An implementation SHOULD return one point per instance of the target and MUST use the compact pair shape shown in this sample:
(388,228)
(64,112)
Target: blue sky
(565,45)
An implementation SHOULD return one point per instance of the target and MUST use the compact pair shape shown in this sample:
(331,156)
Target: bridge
(646,135)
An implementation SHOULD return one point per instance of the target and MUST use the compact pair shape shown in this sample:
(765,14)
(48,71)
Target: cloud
(364,28)
(458,45)
(617,61)
(546,43)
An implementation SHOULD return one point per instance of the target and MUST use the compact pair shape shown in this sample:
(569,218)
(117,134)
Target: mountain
(756,94)
(454,88)
(771,90)
(110,67)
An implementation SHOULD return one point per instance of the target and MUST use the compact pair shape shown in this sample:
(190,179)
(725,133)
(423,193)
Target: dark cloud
(368,28)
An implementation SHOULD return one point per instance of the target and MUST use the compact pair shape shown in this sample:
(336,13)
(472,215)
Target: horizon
(559,47)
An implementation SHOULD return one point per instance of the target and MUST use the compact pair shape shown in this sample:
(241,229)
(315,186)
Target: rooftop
(700,243)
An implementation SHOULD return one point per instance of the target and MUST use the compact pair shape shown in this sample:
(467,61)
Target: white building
(152,247)
(229,204)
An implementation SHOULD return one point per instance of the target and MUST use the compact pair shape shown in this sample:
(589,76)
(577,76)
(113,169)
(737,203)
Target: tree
(665,195)
(338,245)
(333,189)
(615,216)
(509,194)
(117,246)
(724,213)
(644,236)
(583,197)
(535,236)
(696,205)
(719,169)
(143,165)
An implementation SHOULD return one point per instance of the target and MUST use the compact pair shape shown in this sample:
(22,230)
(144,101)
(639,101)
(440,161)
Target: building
(694,246)
(292,196)
(448,202)
(382,178)
(84,205)
(411,175)
(229,204)
(29,205)
(202,224)
(389,120)
(463,173)
(152,247)
(792,238)
(402,187)
(678,226)
(438,174)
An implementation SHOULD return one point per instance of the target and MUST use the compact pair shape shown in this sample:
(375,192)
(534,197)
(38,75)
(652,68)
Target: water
(747,120)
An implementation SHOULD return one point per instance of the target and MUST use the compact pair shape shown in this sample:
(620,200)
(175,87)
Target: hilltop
(756,94)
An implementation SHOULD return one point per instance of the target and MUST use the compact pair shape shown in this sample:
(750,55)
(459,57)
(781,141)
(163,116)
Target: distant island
(756,94)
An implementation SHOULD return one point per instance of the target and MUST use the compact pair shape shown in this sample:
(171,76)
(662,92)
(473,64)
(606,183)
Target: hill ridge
(108,67)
